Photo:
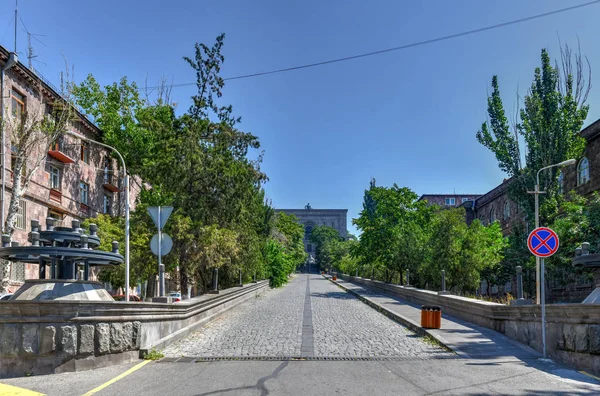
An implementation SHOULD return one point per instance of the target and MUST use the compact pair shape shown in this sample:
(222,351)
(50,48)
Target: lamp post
(126,186)
(537,192)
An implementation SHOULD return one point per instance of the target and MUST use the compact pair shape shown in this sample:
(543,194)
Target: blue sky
(407,117)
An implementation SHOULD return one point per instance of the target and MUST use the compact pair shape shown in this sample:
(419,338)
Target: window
(450,201)
(85,152)
(492,215)
(56,216)
(107,206)
(464,200)
(583,171)
(22,215)
(507,210)
(309,248)
(55,178)
(561,182)
(18,104)
(107,172)
(84,192)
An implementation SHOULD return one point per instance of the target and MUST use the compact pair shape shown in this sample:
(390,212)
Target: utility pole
(30,55)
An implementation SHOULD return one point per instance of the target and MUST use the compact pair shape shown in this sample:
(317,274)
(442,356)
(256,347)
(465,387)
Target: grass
(153,355)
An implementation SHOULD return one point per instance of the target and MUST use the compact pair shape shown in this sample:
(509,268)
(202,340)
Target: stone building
(77,180)
(444,200)
(309,217)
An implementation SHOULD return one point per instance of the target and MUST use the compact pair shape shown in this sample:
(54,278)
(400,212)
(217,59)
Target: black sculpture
(65,251)
(584,259)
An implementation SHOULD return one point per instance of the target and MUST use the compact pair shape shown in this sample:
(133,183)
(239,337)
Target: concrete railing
(43,337)
(572,330)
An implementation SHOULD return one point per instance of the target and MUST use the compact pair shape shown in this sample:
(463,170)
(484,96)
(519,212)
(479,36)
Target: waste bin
(431,316)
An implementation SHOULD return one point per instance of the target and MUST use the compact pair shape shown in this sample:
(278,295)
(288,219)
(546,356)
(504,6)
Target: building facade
(77,180)
(448,200)
(310,218)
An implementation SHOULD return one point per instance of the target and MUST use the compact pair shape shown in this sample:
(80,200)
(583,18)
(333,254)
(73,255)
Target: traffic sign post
(160,247)
(543,242)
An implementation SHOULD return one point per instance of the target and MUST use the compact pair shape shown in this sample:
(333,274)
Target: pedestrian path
(465,338)
(311,319)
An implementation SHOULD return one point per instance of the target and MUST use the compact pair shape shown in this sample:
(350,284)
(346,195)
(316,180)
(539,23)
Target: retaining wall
(44,337)
(572,330)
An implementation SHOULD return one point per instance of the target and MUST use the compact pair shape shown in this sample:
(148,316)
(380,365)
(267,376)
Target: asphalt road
(314,320)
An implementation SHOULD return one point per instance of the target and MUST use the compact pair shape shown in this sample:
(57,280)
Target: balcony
(55,195)
(84,209)
(110,182)
(57,152)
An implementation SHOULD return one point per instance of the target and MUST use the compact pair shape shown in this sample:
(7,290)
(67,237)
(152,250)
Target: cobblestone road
(283,322)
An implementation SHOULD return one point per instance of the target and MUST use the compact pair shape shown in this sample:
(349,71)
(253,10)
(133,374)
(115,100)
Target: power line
(398,48)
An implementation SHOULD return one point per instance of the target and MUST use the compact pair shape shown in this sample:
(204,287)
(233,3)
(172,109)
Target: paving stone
(269,325)
(86,339)
(68,339)
(272,325)
(102,338)
(30,339)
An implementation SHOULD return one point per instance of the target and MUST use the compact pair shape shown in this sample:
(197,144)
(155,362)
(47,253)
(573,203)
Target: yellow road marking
(112,381)
(9,390)
(589,375)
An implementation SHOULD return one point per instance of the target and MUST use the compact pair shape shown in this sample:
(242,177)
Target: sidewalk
(466,339)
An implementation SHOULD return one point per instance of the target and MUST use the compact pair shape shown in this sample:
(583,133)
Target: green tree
(549,124)
(323,237)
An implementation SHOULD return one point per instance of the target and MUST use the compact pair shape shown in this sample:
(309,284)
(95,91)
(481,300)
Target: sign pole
(543,242)
(543,302)
(161,274)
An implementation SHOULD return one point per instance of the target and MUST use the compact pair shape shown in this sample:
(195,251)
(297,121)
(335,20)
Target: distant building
(310,218)
(448,199)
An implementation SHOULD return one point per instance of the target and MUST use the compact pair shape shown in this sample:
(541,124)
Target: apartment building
(77,180)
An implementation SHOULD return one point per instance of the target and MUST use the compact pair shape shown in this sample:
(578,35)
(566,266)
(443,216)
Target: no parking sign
(543,242)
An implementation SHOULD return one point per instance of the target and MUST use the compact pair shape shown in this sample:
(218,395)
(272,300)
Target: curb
(402,320)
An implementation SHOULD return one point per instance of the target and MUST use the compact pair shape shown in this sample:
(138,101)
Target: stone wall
(44,337)
(572,330)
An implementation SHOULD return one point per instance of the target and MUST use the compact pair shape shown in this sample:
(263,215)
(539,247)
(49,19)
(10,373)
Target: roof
(46,86)
(591,131)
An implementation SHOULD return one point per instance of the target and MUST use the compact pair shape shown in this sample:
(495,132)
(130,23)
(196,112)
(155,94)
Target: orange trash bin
(436,316)
(425,317)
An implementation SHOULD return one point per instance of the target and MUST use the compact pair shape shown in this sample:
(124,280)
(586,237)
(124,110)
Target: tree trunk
(15,196)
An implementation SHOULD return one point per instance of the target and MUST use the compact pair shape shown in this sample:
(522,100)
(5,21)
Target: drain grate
(200,359)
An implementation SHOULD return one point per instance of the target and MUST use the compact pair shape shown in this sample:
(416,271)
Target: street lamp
(537,192)
(126,185)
